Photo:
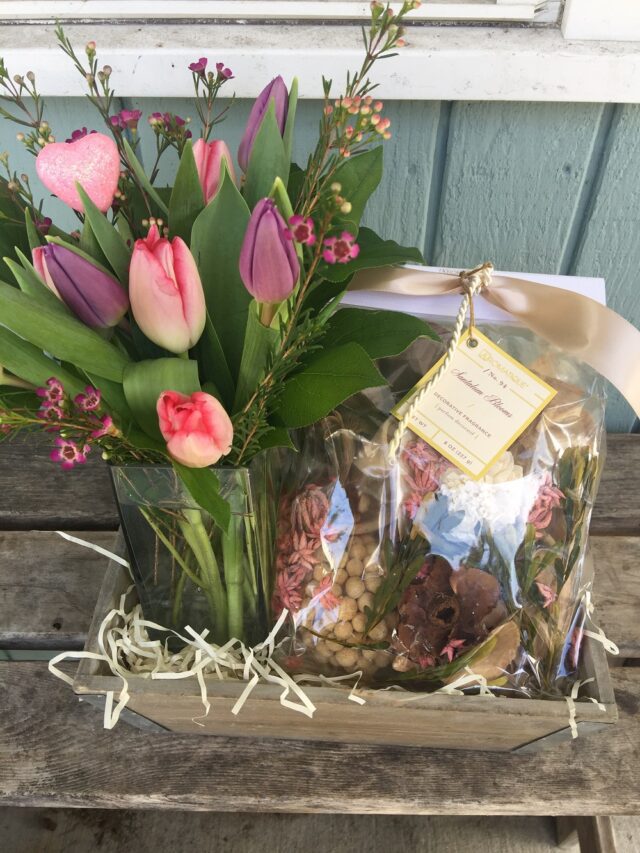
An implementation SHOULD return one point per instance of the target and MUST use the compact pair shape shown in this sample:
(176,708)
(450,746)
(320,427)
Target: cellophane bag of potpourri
(414,574)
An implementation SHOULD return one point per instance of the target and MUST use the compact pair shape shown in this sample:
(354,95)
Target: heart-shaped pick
(92,161)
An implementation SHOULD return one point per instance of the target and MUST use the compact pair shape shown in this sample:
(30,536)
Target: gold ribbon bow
(573,322)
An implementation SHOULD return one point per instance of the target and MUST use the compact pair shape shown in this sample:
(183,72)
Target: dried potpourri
(413,573)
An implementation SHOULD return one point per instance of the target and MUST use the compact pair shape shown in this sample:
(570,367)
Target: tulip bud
(166,293)
(94,296)
(276,91)
(209,157)
(269,264)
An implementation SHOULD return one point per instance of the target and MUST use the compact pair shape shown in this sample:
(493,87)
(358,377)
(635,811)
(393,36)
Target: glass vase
(186,569)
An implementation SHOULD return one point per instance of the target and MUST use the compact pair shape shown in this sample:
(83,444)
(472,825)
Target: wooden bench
(54,751)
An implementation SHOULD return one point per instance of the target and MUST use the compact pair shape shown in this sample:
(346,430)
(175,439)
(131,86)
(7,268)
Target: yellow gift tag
(479,406)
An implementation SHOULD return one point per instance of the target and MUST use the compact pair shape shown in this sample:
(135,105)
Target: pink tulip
(197,429)
(209,157)
(166,293)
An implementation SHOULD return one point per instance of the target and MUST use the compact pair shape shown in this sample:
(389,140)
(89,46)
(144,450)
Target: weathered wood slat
(48,589)
(36,494)
(53,751)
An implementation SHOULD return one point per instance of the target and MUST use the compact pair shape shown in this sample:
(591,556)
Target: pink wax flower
(126,119)
(340,250)
(104,427)
(197,429)
(548,498)
(88,401)
(301,230)
(200,66)
(223,71)
(69,453)
(548,594)
(79,134)
(209,157)
(53,392)
(43,224)
(50,412)
(423,467)
(166,293)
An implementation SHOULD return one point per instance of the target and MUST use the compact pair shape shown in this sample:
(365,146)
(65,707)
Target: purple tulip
(269,264)
(94,296)
(277,91)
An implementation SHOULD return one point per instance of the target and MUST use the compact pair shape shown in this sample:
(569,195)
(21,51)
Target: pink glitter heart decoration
(92,161)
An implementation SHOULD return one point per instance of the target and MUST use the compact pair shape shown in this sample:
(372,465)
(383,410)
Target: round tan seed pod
(357,550)
(378,632)
(341,576)
(308,616)
(322,650)
(365,600)
(372,582)
(354,588)
(318,572)
(355,567)
(333,646)
(308,639)
(336,590)
(402,664)
(369,655)
(382,659)
(343,630)
(347,658)
(327,629)
(359,621)
(348,609)
(310,589)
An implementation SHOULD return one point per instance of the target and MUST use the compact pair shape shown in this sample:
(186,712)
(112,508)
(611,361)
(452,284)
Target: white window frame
(438,63)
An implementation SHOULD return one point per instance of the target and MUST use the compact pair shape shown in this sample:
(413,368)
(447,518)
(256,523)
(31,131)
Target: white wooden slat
(334,10)
(605,21)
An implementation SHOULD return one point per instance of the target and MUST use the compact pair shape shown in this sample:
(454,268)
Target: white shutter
(613,20)
(464,11)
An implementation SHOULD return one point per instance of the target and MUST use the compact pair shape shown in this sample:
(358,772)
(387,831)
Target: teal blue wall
(551,188)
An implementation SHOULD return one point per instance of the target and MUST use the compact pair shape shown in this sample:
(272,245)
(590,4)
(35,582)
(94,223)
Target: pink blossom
(79,134)
(287,594)
(340,250)
(548,498)
(200,66)
(88,401)
(53,392)
(44,223)
(69,453)
(548,594)
(451,648)
(50,412)
(424,468)
(426,661)
(223,72)
(106,426)
(301,230)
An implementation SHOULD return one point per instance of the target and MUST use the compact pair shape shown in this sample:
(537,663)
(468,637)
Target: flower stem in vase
(233,572)
(197,538)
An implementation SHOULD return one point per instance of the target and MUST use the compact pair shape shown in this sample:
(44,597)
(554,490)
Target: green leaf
(276,437)
(325,382)
(29,363)
(143,180)
(109,240)
(30,283)
(144,381)
(289,126)
(187,200)
(204,488)
(64,337)
(379,333)
(34,237)
(213,364)
(90,245)
(216,241)
(374,252)
(359,177)
(260,343)
(268,159)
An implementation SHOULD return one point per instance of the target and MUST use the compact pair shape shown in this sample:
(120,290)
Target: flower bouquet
(182,331)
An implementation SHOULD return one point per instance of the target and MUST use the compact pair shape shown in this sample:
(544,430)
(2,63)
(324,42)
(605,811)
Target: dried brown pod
(481,605)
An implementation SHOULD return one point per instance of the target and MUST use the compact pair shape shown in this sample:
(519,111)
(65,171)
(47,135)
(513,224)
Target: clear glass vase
(187,570)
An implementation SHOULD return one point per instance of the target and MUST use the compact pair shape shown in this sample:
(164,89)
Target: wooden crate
(436,720)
